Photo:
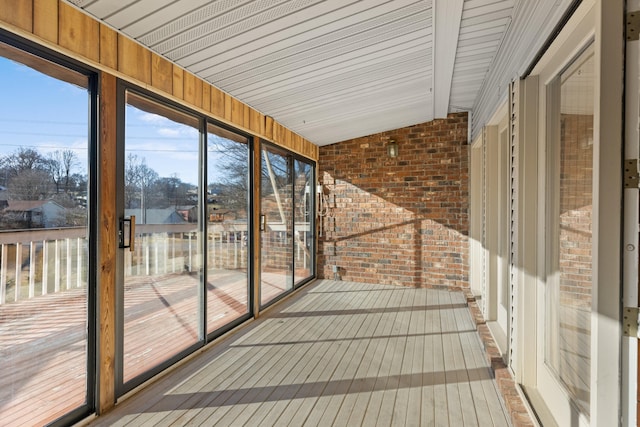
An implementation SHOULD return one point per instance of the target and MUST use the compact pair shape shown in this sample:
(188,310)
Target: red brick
(404,218)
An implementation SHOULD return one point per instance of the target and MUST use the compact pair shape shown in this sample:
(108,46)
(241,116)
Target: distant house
(189,213)
(156,216)
(220,215)
(34,213)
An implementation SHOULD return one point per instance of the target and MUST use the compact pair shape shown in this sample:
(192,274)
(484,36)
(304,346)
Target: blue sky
(39,112)
(169,148)
(43,113)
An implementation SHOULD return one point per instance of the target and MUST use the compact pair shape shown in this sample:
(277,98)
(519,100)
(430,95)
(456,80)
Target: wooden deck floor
(338,353)
(43,340)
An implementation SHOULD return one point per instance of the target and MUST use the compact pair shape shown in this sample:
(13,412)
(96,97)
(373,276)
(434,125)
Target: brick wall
(575,236)
(400,220)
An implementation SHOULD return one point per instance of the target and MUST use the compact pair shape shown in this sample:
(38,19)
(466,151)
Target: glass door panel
(567,308)
(276,207)
(304,220)
(162,269)
(227,227)
(44,239)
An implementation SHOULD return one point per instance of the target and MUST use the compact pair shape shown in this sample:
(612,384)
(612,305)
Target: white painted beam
(447,15)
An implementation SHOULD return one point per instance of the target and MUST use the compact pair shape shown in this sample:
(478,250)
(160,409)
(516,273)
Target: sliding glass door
(161,236)
(287,222)
(304,197)
(46,253)
(276,213)
(565,316)
(228,249)
(185,241)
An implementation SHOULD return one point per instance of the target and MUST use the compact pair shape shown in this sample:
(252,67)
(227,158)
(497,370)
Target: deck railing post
(147,260)
(173,253)
(3,274)
(165,251)
(156,253)
(32,269)
(18,278)
(213,250)
(56,255)
(190,253)
(79,258)
(127,263)
(138,252)
(69,264)
(45,267)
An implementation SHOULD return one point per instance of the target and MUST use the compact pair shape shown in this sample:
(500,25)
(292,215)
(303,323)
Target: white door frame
(599,20)
(631,220)
(496,244)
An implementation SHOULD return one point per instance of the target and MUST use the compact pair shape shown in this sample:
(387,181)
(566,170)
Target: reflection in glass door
(45,252)
(276,225)
(287,223)
(568,298)
(304,220)
(162,267)
(228,248)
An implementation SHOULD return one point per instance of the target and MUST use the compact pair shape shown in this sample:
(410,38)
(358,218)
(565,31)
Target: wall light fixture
(392,148)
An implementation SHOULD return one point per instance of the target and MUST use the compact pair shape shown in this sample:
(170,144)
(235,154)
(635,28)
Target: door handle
(127,232)
(132,233)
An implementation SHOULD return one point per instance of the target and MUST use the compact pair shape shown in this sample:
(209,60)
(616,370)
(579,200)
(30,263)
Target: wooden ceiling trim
(134,60)
(108,47)
(161,73)
(42,11)
(17,13)
(217,102)
(192,89)
(178,82)
(237,112)
(78,32)
(268,132)
(206,96)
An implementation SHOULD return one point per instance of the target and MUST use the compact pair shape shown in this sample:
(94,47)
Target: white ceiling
(329,70)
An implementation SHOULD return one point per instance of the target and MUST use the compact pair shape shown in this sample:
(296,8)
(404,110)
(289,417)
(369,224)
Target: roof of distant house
(27,205)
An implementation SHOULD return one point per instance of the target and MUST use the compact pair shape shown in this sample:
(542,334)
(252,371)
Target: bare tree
(24,159)
(231,168)
(138,179)
(171,191)
(61,164)
(30,184)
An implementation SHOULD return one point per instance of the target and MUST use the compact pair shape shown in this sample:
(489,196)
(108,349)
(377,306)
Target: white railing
(38,262)
(162,249)
(43,261)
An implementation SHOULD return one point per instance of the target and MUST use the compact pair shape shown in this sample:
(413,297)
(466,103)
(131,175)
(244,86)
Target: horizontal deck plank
(336,353)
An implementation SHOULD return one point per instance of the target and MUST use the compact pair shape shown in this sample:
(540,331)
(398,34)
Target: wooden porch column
(107,246)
